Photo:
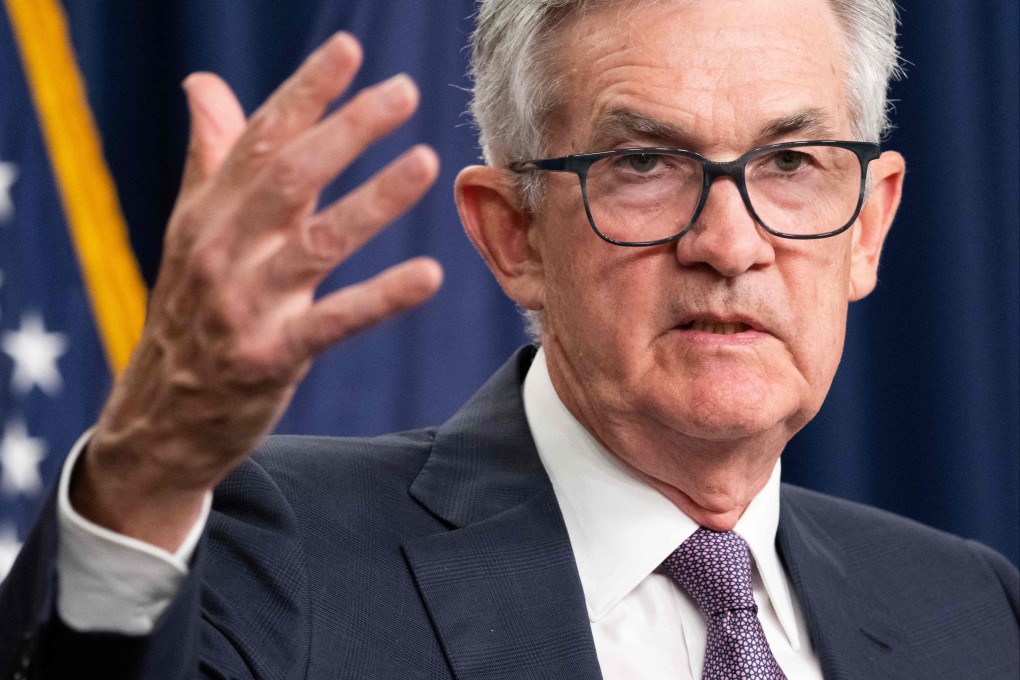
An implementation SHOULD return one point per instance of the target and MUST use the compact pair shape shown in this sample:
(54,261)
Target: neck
(715,495)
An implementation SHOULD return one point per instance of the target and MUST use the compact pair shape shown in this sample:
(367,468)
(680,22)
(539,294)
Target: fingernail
(395,91)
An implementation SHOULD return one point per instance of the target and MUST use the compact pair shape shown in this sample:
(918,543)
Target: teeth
(719,327)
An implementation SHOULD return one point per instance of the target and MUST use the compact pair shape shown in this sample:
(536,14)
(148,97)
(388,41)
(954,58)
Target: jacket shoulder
(344,463)
(314,487)
(881,547)
(853,518)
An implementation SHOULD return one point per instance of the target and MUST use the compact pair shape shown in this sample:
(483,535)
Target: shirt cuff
(110,582)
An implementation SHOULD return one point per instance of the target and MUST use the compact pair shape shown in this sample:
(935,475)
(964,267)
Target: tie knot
(715,569)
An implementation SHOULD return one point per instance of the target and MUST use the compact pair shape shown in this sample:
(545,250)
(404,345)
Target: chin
(724,426)
(718,410)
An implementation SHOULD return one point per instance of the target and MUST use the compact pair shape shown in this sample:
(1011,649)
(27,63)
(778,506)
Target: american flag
(71,298)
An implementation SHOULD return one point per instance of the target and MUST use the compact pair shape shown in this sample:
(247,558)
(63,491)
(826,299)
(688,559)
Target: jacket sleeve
(36,645)
(241,612)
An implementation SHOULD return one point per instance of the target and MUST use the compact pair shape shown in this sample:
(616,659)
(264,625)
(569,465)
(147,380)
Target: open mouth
(717,327)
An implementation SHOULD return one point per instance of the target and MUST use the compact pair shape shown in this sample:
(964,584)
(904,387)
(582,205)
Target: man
(685,196)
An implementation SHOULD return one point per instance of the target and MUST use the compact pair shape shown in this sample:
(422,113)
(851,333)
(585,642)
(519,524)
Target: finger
(300,101)
(334,234)
(355,308)
(346,225)
(217,120)
(297,174)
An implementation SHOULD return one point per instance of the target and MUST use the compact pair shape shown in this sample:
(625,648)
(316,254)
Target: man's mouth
(716,327)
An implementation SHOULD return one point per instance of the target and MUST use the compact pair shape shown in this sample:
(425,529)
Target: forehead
(723,75)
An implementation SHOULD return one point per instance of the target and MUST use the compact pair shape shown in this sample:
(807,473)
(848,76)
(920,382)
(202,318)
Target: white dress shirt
(621,529)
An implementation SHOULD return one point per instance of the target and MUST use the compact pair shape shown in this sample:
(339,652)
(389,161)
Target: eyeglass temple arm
(554,164)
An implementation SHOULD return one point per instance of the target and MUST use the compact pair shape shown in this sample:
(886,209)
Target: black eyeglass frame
(579,164)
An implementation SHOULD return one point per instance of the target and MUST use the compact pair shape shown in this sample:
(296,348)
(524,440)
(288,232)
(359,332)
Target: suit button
(23,663)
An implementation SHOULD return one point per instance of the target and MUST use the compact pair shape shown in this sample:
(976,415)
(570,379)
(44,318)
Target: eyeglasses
(648,196)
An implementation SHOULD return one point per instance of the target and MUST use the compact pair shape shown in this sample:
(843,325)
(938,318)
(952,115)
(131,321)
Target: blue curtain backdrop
(924,416)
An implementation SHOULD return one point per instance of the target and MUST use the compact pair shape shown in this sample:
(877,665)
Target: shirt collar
(621,528)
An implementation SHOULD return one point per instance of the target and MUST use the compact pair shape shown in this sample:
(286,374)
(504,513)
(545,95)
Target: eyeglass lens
(801,191)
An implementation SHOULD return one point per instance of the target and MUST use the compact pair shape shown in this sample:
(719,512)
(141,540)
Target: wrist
(129,496)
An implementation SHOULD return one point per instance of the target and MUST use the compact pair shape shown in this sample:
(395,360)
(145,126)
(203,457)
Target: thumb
(217,120)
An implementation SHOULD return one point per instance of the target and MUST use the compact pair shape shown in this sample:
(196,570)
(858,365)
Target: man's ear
(886,176)
(491,212)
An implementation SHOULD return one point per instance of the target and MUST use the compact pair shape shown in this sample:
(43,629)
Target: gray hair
(515,86)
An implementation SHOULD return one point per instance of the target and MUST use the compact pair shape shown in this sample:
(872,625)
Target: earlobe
(498,226)
(886,175)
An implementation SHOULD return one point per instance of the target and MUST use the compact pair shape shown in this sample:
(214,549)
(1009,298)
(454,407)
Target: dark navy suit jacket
(442,553)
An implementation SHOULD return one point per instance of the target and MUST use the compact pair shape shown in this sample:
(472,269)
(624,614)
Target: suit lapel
(501,587)
(853,636)
(505,598)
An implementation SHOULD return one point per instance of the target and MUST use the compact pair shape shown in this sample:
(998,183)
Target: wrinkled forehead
(716,76)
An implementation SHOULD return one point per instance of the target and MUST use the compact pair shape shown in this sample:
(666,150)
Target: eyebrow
(813,122)
(619,125)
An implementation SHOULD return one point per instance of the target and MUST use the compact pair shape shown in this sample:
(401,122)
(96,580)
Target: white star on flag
(20,456)
(35,353)
(8,173)
(9,547)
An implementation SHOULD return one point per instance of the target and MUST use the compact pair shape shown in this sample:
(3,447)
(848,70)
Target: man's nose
(725,236)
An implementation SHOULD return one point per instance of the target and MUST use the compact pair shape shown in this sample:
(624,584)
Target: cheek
(821,312)
(590,305)
(602,313)
(572,293)
(593,290)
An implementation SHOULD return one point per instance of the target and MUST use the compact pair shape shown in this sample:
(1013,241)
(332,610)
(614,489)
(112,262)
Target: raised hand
(233,322)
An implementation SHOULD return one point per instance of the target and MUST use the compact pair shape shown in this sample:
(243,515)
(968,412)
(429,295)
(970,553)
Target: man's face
(724,77)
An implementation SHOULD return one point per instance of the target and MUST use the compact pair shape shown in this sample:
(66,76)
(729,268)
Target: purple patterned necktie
(715,569)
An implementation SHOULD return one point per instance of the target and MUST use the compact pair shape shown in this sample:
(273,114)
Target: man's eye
(641,162)
(789,160)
